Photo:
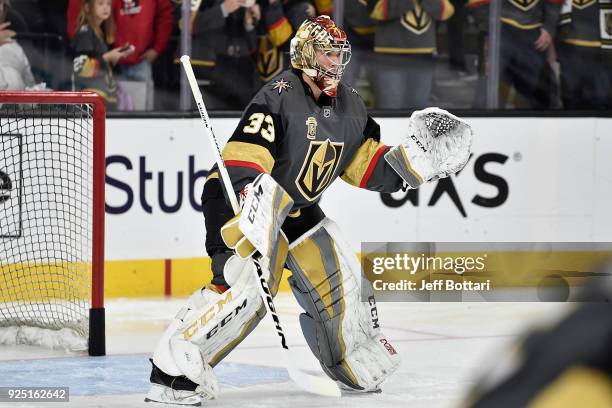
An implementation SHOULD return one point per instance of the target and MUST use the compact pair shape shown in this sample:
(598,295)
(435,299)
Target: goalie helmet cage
(52,166)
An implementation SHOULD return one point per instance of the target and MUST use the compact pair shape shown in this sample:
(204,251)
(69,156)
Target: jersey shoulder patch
(278,91)
(284,83)
(281,84)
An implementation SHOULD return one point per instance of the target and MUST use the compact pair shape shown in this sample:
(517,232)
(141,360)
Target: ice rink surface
(444,346)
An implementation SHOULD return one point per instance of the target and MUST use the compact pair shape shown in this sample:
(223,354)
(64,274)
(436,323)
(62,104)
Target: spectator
(15,72)
(43,16)
(404,46)
(278,23)
(360,28)
(18,23)
(479,14)
(145,24)
(30,14)
(166,69)
(54,12)
(455,37)
(93,61)
(527,32)
(41,31)
(264,32)
(224,38)
(585,82)
(526,36)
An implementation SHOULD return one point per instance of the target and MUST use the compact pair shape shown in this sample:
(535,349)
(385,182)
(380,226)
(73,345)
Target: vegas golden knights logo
(416,20)
(524,4)
(582,4)
(318,168)
(269,59)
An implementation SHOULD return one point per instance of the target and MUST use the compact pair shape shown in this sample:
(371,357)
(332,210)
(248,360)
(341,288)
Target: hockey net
(52,219)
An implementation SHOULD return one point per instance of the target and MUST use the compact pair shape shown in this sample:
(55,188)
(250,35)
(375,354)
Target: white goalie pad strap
(192,365)
(438,144)
(210,323)
(264,210)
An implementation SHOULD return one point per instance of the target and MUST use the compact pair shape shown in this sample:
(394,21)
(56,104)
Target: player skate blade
(197,404)
(351,393)
(160,394)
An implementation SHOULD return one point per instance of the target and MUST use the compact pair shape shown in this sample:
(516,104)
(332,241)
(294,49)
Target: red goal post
(52,212)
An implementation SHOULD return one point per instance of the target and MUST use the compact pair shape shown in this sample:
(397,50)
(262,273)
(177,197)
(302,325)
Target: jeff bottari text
(437,284)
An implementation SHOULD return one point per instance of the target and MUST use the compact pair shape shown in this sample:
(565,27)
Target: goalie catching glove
(438,144)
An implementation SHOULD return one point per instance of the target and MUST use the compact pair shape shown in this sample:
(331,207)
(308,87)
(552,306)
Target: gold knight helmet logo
(318,168)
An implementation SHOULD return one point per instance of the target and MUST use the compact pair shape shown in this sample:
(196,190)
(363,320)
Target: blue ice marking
(121,374)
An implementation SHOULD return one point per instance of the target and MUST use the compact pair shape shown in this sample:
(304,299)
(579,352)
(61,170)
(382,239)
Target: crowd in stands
(406,54)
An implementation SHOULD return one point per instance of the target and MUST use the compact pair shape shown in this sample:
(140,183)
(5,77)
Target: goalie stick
(313,384)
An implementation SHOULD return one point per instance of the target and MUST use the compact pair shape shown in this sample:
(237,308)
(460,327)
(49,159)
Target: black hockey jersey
(306,144)
(91,72)
(583,28)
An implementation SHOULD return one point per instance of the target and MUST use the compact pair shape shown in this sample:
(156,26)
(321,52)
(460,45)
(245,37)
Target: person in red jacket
(144,24)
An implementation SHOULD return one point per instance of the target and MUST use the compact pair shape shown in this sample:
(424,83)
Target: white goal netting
(46,156)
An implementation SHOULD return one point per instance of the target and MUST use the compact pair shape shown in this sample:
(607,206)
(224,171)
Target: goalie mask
(321,50)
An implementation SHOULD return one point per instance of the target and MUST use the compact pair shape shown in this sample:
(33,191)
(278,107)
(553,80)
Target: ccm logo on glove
(418,142)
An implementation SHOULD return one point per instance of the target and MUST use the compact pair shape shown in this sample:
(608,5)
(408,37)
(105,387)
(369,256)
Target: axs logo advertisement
(488,176)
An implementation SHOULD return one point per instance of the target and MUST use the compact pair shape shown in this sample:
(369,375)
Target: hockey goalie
(302,130)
